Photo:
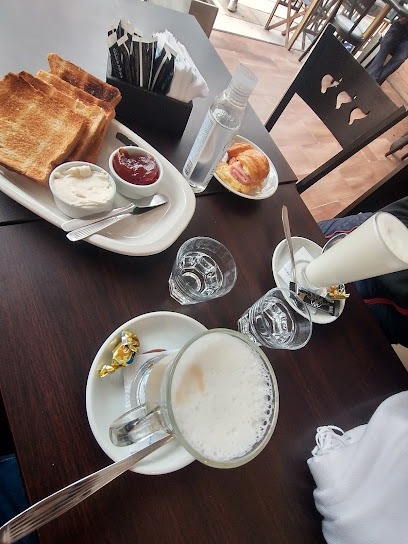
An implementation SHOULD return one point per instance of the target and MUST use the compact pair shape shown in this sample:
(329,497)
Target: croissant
(246,168)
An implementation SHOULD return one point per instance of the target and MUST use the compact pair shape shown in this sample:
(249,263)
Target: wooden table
(59,303)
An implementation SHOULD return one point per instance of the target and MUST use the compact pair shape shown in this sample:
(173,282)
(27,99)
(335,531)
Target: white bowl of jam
(137,172)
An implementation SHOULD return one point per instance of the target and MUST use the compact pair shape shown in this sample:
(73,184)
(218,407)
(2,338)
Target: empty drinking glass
(204,269)
(279,320)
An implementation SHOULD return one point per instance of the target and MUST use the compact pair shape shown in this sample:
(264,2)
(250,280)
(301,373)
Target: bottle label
(202,137)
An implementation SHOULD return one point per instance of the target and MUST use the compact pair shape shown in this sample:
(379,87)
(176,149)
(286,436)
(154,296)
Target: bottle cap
(242,84)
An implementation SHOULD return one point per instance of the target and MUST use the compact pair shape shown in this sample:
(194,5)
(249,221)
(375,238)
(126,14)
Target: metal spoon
(84,232)
(286,229)
(146,202)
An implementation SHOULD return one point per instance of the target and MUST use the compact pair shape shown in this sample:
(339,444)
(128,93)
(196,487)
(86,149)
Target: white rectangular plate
(147,234)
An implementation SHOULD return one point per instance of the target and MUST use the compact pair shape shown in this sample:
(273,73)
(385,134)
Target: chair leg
(398,144)
(267,27)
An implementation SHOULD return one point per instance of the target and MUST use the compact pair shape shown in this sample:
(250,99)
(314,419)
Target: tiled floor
(249,20)
(303,139)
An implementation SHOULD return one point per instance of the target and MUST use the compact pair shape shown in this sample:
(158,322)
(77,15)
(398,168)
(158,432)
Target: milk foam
(222,397)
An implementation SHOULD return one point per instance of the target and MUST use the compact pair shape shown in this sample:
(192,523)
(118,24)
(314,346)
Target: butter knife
(146,202)
(84,232)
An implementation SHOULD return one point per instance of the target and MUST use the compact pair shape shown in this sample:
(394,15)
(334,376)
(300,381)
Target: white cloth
(362,478)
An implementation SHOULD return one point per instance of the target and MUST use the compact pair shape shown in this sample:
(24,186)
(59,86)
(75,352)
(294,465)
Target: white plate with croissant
(246,171)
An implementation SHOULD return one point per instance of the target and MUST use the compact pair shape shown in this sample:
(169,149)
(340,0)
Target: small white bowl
(78,211)
(131,190)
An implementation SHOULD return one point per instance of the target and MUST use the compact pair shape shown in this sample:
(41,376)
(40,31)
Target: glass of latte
(218,396)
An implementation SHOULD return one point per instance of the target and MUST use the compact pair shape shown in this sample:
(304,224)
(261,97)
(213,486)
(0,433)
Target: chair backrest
(353,107)
(355,8)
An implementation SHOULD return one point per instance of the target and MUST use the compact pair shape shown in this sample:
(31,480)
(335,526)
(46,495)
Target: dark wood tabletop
(79,33)
(61,300)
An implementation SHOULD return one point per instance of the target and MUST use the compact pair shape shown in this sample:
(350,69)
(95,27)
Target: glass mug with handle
(218,396)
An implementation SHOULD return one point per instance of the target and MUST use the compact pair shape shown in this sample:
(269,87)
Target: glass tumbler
(204,269)
(278,320)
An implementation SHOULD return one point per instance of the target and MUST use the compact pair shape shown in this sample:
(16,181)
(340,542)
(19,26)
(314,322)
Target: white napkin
(362,478)
(301,255)
(187,82)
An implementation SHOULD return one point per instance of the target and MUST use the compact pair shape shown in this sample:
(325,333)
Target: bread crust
(78,77)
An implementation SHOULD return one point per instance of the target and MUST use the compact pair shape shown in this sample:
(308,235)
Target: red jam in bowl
(142,170)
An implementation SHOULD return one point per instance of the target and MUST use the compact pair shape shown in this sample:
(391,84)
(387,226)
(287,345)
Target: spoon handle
(84,232)
(288,236)
(63,500)
(74,224)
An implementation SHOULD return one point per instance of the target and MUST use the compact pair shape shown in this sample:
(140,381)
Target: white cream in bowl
(82,189)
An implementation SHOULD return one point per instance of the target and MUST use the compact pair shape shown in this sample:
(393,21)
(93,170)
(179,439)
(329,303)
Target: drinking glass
(378,246)
(204,269)
(278,320)
(218,397)
(334,240)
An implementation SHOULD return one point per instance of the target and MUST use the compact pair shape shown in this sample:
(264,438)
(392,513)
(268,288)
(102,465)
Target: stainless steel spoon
(288,236)
(146,202)
(84,232)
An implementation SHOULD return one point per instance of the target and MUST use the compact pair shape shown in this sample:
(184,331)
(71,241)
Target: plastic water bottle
(220,126)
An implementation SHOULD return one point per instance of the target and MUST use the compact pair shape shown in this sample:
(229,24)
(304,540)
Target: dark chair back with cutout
(346,99)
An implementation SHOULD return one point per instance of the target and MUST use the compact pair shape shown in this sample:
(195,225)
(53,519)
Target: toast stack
(48,119)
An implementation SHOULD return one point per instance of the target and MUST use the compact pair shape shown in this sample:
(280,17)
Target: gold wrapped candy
(123,354)
(337,292)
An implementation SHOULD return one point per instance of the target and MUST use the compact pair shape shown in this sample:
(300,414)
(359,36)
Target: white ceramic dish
(105,397)
(281,257)
(269,185)
(77,212)
(128,189)
(148,234)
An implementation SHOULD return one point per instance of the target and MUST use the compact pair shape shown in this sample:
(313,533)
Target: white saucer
(281,257)
(105,397)
(270,184)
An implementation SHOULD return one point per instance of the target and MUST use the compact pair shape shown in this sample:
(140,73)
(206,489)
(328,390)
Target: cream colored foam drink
(378,246)
(221,396)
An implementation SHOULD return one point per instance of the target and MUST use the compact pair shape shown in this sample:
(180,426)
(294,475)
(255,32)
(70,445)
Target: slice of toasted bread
(83,80)
(86,98)
(75,92)
(36,132)
(93,116)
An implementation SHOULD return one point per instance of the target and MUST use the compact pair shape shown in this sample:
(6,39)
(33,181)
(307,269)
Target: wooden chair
(363,110)
(347,18)
(294,9)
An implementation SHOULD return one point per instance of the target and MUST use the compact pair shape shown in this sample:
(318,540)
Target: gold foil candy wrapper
(123,354)
(131,340)
(337,292)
